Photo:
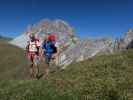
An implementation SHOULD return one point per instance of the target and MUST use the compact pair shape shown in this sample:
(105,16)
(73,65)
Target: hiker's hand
(54,56)
(41,53)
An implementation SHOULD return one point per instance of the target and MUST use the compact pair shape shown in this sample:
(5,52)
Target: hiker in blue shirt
(49,51)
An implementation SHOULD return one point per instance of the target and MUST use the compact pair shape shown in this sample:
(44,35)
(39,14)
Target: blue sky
(90,18)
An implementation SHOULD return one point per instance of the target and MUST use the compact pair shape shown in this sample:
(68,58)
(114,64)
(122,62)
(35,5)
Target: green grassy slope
(105,77)
(12,61)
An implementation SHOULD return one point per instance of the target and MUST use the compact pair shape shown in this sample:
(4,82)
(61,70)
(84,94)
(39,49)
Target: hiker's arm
(58,52)
(55,55)
(41,52)
(27,46)
(26,49)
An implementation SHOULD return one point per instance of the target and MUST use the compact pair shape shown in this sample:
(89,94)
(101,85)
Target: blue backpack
(49,47)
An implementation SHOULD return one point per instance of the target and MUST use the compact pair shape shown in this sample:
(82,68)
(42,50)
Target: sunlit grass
(105,77)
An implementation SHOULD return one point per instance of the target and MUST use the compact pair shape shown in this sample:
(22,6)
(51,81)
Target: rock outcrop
(72,48)
(125,42)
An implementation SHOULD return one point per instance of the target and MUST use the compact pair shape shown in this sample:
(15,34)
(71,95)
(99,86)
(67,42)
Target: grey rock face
(126,41)
(72,49)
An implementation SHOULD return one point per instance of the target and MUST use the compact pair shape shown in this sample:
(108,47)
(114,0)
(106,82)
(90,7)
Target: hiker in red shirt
(32,51)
